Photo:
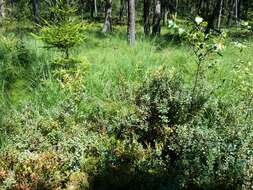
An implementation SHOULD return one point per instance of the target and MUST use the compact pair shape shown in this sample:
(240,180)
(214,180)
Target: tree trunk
(211,16)
(91,8)
(36,15)
(230,15)
(2,8)
(146,16)
(166,16)
(220,13)
(165,11)
(157,18)
(108,16)
(95,8)
(121,11)
(176,9)
(237,7)
(131,22)
(246,6)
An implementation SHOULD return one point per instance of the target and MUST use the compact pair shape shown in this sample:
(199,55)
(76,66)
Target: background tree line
(151,13)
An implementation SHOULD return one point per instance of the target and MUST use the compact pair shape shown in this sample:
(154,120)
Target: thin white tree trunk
(220,13)
(108,16)
(95,8)
(157,18)
(131,22)
(166,17)
(236,13)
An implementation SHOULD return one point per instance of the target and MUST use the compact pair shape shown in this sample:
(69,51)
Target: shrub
(200,148)
(45,150)
(163,103)
(70,73)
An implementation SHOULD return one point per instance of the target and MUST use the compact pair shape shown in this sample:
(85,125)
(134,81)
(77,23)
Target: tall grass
(116,69)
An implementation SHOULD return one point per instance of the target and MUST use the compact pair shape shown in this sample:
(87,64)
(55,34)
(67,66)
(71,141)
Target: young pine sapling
(65,31)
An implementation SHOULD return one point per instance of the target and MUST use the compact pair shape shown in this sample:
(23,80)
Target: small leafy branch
(202,44)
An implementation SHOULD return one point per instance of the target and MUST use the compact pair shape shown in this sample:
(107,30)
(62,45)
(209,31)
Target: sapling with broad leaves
(202,44)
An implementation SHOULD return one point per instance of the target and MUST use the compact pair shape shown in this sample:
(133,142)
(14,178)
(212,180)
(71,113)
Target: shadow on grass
(122,179)
(127,179)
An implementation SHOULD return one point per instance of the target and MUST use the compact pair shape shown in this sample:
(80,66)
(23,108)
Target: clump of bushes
(167,142)
(206,147)
(60,151)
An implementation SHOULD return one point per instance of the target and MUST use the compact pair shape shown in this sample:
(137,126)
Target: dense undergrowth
(127,118)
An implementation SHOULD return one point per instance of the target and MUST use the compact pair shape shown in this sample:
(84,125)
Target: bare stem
(196,79)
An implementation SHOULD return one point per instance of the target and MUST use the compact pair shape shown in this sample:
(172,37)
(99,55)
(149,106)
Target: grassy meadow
(94,131)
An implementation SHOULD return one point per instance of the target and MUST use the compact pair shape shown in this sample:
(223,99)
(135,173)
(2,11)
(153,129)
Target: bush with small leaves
(199,148)
(203,42)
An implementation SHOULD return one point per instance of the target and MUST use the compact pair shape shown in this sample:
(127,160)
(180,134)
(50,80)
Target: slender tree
(237,7)
(220,13)
(121,11)
(246,6)
(231,11)
(92,4)
(164,11)
(157,18)
(95,8)
(131,22)
(108,16)
(176,9)
(146,16)
(35,5)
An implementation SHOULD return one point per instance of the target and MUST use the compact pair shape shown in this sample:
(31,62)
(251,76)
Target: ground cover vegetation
(99,95)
